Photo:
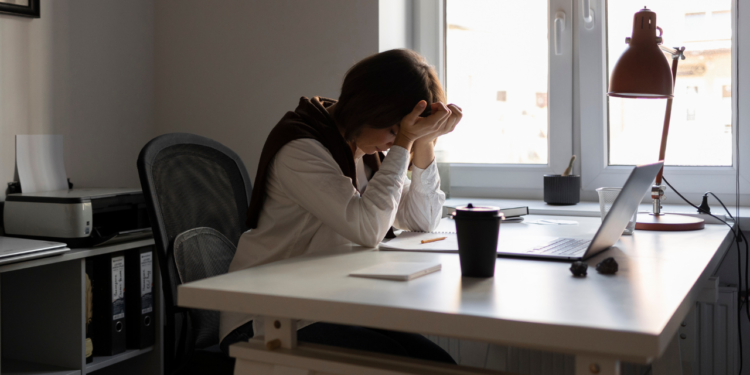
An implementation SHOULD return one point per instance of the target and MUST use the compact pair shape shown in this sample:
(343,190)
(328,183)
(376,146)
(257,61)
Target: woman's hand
(413,127)
(448,124)
(424,148)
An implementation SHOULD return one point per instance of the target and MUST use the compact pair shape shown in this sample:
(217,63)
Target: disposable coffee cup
(477,229)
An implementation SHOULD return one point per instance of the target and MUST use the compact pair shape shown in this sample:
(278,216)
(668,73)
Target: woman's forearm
(424,154)
(421,204)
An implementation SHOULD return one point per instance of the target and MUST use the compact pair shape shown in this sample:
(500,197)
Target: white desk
(535,304)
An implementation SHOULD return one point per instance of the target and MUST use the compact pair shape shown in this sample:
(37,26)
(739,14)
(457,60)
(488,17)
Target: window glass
(497,72)
(700,131)
(721,24)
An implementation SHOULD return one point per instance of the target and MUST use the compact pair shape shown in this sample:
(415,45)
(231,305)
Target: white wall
(85,70)
(229,70)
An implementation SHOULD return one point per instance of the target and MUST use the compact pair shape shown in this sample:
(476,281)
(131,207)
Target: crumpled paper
(551,222)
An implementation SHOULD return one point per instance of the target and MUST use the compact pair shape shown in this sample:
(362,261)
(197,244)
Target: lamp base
(668,222)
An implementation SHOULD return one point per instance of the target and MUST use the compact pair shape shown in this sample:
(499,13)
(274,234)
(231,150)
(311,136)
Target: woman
(323,184)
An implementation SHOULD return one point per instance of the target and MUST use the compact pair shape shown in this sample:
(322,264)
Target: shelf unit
(102,362)
(13,367)
(43,318)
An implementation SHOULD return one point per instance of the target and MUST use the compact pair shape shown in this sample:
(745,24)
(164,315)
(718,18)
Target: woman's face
(372,140)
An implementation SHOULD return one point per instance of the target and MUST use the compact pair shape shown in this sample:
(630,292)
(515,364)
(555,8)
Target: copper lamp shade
(642,71)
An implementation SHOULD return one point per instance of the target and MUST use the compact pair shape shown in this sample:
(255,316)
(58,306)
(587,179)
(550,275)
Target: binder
(89,267)
(139,298)
(109,325)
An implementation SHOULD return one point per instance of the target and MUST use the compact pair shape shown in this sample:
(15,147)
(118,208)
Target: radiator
(708,346)
(708,337)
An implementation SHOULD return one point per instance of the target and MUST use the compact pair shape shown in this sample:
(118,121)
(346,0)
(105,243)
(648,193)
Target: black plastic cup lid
(470,211)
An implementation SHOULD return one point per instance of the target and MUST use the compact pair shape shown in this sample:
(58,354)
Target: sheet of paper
(551,222)
(39,159)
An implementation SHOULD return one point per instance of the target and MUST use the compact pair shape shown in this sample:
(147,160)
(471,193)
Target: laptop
(20,249)
(609,231)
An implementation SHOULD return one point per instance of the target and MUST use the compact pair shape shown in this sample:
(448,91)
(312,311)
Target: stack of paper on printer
(39,162)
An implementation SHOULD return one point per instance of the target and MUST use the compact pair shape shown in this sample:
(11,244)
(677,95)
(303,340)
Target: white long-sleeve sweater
(312,208)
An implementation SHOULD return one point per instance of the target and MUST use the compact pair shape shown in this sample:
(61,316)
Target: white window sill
(590,209)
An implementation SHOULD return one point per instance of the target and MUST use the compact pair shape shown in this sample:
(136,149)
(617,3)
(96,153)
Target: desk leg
(670,363)
(593,365)
(280,333)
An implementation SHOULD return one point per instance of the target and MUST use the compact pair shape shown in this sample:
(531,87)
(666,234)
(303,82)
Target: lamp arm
(667,116)
(675,52)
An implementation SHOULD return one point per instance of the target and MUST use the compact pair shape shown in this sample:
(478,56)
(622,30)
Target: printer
(78,217)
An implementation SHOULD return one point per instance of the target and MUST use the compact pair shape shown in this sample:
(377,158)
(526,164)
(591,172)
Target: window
(710,115)
(695,23)
(701,148)
(697,132)
(517,127)
(506,113)
(721,24)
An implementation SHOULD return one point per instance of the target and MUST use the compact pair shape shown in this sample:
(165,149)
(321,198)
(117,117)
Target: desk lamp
(643,72)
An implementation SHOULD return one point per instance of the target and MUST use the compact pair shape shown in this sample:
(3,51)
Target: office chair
(197,192)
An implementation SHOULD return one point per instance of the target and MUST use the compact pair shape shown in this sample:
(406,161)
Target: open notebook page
(446,225)
(412,241)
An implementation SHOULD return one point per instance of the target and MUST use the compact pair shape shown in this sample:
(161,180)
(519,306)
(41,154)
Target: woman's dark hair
(383,88)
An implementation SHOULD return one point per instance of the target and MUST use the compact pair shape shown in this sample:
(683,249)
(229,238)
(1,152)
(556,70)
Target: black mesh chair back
(192,182)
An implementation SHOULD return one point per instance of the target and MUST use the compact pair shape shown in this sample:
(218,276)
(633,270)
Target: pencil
(434,239)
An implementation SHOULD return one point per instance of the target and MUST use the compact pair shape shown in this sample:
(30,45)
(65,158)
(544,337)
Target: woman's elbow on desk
(370,238)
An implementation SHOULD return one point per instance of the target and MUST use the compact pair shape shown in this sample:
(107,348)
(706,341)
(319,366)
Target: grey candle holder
(562,190)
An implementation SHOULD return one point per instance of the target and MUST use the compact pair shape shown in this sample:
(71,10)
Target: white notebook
(401,271)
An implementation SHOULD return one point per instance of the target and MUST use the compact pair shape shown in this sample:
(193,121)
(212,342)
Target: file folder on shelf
(109,325)
(89,310)
(139,297)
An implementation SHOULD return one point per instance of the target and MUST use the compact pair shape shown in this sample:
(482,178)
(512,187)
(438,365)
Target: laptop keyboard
(562,247)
